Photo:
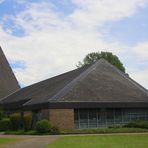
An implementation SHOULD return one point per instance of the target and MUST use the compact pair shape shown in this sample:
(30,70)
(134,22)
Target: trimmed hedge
(43,126)
(5,124)
(103,131)
(27,121)
(137,124)
(15,121)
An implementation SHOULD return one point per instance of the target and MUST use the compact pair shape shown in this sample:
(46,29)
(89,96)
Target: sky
(44,38)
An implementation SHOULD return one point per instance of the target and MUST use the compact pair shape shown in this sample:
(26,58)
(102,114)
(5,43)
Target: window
(110,117)
(83,118)
(92,118)
(118,116)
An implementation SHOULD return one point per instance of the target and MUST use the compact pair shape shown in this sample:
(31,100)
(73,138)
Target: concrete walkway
(30,141)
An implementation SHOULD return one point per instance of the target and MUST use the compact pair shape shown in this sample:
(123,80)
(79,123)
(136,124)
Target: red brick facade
(62,118)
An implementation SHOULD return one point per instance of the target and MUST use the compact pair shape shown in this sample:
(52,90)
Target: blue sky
(130,30)
(43,38)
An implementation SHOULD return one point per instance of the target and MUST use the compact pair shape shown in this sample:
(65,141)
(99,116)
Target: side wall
(62,118)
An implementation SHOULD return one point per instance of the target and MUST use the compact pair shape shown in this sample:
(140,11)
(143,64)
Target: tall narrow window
(93,118)
(118,116)
(83,113)
(110,117)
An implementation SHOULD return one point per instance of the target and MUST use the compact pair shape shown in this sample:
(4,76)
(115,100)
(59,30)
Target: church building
(94,96)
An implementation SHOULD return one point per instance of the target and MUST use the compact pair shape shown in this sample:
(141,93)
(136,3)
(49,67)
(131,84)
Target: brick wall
(62,118)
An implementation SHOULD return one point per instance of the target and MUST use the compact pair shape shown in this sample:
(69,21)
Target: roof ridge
(127,77)
(47,79)
(73,82)
(9,95)
(63,91)
(78,69)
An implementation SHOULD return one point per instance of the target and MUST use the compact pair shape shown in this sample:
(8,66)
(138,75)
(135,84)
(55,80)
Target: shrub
(115,126)
(27,121)
(5,124)
(1,114)
(43,126)
(54,130)
(137,124)
(15,121)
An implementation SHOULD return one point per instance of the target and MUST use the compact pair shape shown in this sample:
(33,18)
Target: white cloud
(96,12)
(54,43)
(141,50)
(140,76)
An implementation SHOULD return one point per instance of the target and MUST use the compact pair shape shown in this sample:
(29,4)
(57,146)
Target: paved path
(30,141)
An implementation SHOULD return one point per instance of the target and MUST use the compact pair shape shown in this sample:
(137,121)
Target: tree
(94,56)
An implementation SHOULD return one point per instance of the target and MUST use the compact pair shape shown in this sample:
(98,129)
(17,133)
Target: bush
(54,130)
(137,124)
(27,121)
(15,121)
(5,124)
(2,115)
(43,126)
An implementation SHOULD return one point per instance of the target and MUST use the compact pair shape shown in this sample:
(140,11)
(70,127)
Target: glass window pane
(102,118)
(110,117)
(118,116)
(83,118)
(92,118)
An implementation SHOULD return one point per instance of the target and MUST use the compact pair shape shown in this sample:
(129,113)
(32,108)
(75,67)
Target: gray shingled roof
(8,81)
(100,82)
(42,91)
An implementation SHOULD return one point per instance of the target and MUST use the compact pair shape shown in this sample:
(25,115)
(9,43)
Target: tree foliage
(109,56)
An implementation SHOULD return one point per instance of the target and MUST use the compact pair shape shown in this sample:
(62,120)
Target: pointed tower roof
(8,81)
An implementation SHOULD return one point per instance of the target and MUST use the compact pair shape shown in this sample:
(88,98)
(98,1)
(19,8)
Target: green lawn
(5,141)
(106,141)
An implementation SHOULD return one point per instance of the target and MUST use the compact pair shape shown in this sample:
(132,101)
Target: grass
(105,141)
(5,141)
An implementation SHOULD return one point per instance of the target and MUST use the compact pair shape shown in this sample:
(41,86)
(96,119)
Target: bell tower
(8,81)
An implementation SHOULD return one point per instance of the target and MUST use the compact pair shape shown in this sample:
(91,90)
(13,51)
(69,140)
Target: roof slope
(8,81)
(99,82)
(105,83)
(42,91)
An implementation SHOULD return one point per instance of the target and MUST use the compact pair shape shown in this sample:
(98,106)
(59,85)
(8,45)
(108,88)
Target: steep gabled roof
(8,81)
(100,82)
